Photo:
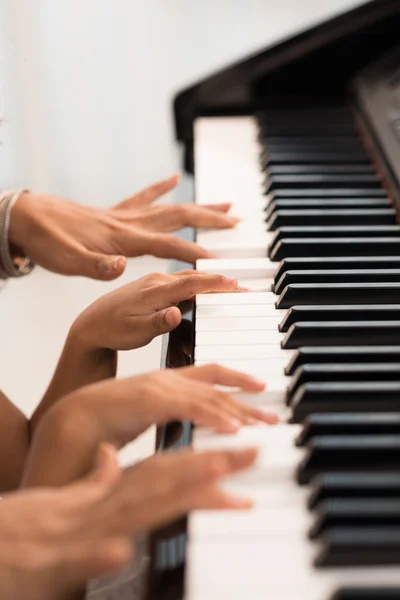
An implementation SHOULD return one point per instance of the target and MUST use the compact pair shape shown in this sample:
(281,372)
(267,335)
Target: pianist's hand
(53,541)
(71,239)
(127,318)
(119,411)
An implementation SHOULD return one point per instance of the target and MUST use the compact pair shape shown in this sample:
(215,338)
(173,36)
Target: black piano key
(337,276)
(359,312)
(301,204)
(342,354)
(319,158)
(321,193)
(342,231)
(298,141)
(338,293)
(308,127)
(375,593)
(352,546)
(336,262)
(332,217)
(363,512)
(345,397)
(330,181)
(340,333)
(349,424)
(367,454)
(320,169)
(324,247)
(354,485)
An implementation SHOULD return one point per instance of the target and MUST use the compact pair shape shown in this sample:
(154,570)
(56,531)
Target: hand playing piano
(71,239)
(54,541)
(119,411)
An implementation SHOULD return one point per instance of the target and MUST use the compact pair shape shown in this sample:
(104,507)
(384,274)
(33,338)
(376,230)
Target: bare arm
(14,444)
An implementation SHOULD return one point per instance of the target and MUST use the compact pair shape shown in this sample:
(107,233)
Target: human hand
(53,541)
(71,239)
(119,411)
(131,316)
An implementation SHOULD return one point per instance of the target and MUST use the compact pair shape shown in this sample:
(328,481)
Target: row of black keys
(350,410)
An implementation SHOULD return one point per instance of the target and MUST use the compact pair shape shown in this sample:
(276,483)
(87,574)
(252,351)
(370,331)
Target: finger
(160,322)
(163,245)
(191,215)
(99,266)
(100,481)
(94,558)
(224,207)
(151,193)
(218,375)
(188,286)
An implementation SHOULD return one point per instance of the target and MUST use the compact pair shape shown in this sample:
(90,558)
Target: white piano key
(262,369)
(246,268)
(216,338)
(257,285)
(239,310)
(210,239)
(237,324)
(240,248)
(245,353)
(239,298)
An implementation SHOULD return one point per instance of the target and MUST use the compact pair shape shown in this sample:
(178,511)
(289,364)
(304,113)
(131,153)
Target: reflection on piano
(304,140)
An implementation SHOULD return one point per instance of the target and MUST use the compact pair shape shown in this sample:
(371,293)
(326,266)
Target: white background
(85,99)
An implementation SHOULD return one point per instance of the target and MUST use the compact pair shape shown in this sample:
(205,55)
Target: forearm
(78,366)
(14,444)
(64,446)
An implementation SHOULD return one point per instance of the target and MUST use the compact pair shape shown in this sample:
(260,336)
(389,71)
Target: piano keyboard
(319,249)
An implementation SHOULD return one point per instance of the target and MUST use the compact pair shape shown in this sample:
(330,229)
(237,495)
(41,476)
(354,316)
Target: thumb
(101,266)
(164,321)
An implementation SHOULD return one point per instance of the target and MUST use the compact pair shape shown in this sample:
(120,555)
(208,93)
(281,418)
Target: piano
(304,140)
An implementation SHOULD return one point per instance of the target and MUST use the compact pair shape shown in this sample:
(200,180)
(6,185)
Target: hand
(71,239)
(53,541)
(119,411)
(131,316)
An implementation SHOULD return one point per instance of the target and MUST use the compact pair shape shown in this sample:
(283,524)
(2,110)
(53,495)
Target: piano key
(359,312)
(257,232)
(238,324)
(369,454)
(217,352)
(321,193)
(296,169)
(234,338)
(240,248)
(287,218)
(336,333)
(330,181)
(354,546)
(238,299)
(360,512)
(338,293)
(341,354)
(337,262)
(354,485)
(354,231)
(301,205)
(345,397)
(239,310)
(323,247)
(348,424)
(249,268)
(316,276)
(382,593)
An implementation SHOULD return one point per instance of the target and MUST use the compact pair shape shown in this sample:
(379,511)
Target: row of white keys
(265,552)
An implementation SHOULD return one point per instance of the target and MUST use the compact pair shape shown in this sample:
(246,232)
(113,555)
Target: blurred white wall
(85,98)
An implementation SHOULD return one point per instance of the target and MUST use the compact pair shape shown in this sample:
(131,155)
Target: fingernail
(232,221)
(257,381)
(229,281)
(251,421)
(235,423)
(241,503)
(242,289)
(116,264)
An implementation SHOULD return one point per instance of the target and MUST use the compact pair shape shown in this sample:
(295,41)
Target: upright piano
(304,140)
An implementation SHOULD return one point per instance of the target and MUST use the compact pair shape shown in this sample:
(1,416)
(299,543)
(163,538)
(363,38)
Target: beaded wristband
(10,266)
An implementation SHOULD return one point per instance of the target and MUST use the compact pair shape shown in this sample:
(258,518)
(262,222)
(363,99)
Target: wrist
(84,348)
(20,222)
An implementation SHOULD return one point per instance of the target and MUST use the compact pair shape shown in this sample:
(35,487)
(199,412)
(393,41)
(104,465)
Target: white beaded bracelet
(10,266)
